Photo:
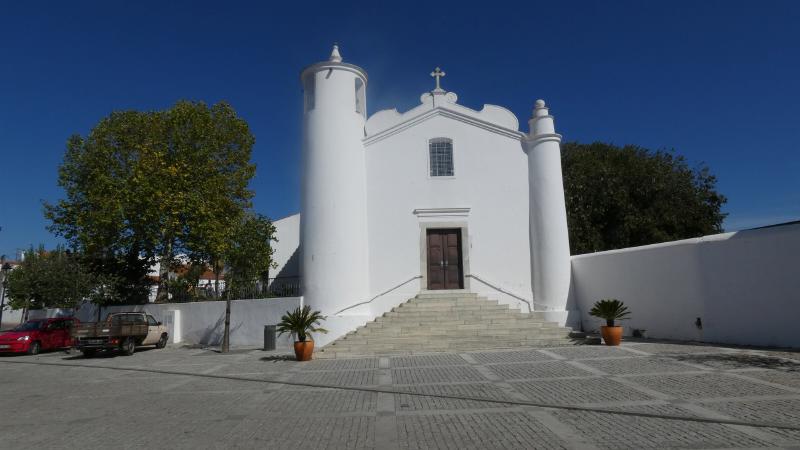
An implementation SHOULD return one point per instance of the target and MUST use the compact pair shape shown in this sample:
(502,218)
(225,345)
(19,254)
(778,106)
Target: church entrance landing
(445,267)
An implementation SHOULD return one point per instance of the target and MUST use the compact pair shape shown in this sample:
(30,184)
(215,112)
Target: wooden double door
(445,269)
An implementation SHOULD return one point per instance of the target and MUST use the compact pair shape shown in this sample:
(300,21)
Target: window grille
(441,157)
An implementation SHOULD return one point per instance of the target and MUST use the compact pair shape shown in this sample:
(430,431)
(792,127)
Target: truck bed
(102,333)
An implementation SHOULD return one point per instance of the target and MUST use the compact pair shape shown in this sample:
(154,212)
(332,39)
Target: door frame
(466,244)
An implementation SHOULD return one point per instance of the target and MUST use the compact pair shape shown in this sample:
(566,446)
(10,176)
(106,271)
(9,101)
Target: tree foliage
(54,279)
(249,258)
(628,196)
(143,187)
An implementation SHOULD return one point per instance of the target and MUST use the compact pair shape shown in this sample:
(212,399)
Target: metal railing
(257,289)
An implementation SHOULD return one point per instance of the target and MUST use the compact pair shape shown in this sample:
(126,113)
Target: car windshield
(30,326)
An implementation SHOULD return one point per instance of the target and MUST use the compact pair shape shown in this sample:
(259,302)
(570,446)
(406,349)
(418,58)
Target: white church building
(438,198)
(444,228)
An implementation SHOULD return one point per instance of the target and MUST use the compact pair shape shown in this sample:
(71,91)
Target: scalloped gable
(493,118)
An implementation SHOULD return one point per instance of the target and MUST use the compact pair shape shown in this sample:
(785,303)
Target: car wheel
(128,346)
(88,352)
(162,342)
(34,348)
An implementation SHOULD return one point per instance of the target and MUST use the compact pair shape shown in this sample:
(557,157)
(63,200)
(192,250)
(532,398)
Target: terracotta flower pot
(303,350)
(611,335)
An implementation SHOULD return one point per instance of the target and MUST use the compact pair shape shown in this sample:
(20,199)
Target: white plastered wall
(743,286)
(491,182)
(287,232)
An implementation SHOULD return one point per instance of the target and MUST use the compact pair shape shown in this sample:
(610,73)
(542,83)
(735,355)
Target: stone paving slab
(501,430)
(405,403)
(708,385)
(536,370)
(784,411)
(627,432)
(672,349)
(439,359)
(790,379)
(338,377)
(427,401)
(509,357)
(445,374)
(590,352)
(576,391)
(627,366)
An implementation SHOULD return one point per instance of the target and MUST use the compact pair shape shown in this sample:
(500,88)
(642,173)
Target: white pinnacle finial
(438,74)
(335,56)
(540,109)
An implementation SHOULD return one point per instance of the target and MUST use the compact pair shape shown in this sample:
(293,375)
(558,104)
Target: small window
(360,98)
(309,94)
(151,321)
(441,157)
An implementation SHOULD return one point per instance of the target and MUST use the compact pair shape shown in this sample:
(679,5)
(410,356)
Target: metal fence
(258,289)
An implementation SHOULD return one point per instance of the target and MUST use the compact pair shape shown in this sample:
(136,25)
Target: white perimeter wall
(745,287)
(202,323)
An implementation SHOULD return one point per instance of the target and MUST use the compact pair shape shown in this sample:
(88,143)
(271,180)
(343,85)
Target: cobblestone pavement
(194,398)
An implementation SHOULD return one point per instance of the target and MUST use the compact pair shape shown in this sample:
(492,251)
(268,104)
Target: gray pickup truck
(120,331)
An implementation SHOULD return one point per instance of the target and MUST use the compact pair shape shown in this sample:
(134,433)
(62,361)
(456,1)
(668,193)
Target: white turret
(550,258)
(333,221)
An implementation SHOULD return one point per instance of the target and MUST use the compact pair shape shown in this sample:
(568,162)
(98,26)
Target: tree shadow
(740,361)
(276,358)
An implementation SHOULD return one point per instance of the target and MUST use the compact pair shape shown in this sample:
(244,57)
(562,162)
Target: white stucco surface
(333,225)
(744,286)
(369,197)
(285,255)
(488,191)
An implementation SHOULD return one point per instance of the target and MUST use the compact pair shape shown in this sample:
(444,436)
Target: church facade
(440,198)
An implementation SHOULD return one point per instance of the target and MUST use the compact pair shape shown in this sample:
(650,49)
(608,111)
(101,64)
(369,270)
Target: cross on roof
(437,74)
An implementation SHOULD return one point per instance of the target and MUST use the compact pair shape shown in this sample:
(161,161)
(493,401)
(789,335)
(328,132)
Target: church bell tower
(333,222)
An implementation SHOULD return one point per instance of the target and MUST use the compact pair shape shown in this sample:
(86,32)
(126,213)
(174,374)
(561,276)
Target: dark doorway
(445,270)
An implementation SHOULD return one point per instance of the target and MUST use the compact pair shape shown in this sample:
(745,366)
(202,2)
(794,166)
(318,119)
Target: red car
(34,336)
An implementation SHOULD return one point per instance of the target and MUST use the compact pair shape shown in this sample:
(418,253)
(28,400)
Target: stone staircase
(446,322)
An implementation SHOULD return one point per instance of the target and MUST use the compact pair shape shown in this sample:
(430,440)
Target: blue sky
(718,81)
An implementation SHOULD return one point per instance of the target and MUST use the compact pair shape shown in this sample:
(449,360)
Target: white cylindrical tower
(333,221)
(550,258)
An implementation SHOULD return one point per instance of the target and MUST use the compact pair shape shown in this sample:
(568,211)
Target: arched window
(441,157)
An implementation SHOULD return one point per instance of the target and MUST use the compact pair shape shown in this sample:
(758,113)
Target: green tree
(246,250)
(628,196)
(249,258)
(48,279)
(143,187)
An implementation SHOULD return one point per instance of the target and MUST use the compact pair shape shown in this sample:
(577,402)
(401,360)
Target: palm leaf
(301,322)
(610,309)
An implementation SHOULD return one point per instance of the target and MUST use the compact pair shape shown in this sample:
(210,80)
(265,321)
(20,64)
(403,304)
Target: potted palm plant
(610,309)
(301,323)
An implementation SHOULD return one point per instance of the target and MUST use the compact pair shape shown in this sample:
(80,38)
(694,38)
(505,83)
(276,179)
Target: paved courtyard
(194,398)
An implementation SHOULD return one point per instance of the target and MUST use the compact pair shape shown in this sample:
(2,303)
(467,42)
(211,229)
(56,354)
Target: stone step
(447,346)
(435,334)
(447,298)
(461,334)
(408,340)
(452,314)
(456,325)
(436,309)
(449,321)
(445,295)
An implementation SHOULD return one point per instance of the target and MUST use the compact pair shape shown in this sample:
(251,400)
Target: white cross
(437,74)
